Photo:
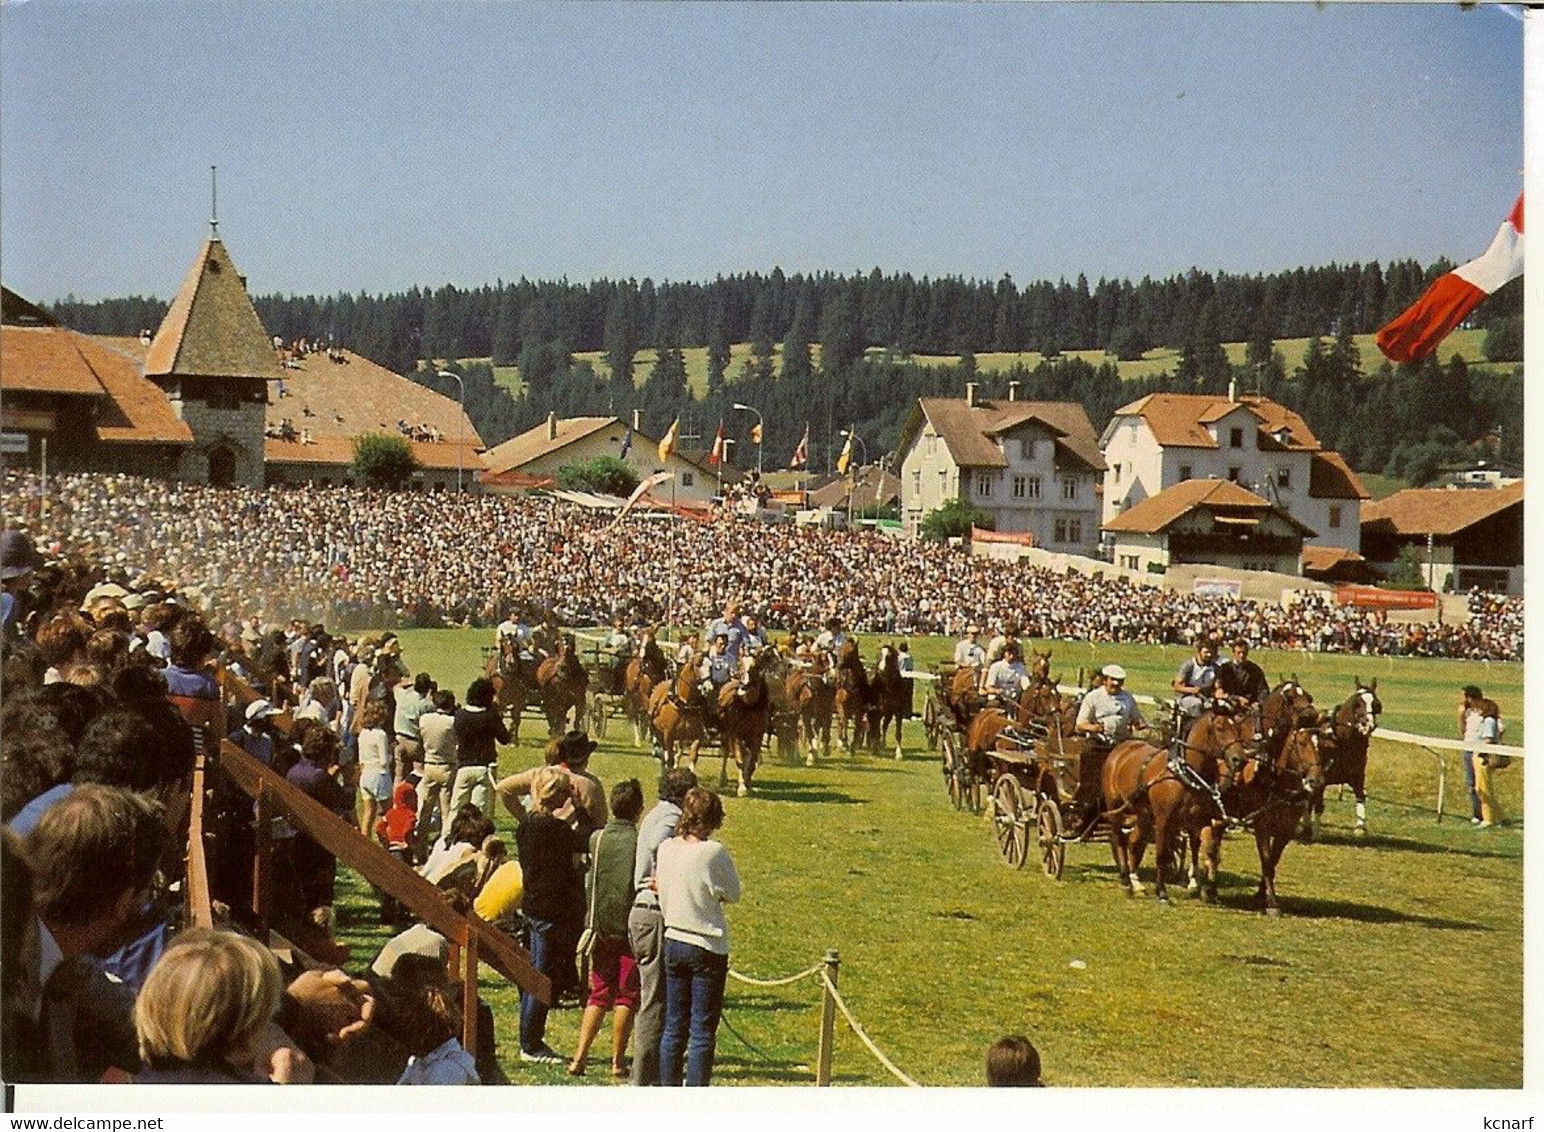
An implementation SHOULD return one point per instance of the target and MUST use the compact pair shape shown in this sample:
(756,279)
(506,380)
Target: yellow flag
(756,433)
(845,458)
(667,446)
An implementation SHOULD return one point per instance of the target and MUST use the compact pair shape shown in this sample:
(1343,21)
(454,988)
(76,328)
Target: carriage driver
(968,653)
(1241,679)
(755,635)
(1109,713)
(832,639)
(717,669)
(1007,677)
(618,646)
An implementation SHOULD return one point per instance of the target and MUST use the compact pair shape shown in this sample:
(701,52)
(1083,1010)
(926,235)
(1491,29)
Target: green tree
(718,357)
(1408,571)
(384,461)
(954,520)
(604,475)
(621,335)
(1504,340)
(1127,342)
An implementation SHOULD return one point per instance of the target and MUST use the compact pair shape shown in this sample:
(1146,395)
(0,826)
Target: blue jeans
(533,1014)
(694,1000)
(1474,795)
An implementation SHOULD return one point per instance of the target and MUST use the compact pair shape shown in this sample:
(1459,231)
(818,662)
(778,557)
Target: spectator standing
(374,765)
(553,903)
(696,877)
(437,729)
(1469,731)
(646,927)
(479,730)
(412,702)
(609,896)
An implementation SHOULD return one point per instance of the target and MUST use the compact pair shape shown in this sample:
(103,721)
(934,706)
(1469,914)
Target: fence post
(262,860)
(832,964)
(469,994)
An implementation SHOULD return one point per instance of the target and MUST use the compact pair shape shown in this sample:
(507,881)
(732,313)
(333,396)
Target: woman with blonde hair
(374,765)
(206,1015)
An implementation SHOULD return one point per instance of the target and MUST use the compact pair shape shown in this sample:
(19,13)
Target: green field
(1468,344)
(1370,978)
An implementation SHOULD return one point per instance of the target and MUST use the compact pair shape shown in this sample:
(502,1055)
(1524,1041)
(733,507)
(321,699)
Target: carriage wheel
(1009,821)
(599,715)
(1053,851)
(953,781)
(930,723)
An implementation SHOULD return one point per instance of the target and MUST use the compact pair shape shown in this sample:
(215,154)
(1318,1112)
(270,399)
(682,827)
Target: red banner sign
(1023,538)
(1371,597)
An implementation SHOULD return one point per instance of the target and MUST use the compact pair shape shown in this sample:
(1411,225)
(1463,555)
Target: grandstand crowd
(350,557)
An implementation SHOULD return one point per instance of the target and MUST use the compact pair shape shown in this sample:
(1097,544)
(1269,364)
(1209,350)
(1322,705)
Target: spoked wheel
(1010,821)
(930,723)
(1048,831)
(599,715)
(953,782)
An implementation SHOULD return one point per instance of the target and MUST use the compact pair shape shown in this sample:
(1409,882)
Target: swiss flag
(1447,302)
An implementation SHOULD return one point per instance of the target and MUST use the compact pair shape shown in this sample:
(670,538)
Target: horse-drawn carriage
(1044,783)
(607,690)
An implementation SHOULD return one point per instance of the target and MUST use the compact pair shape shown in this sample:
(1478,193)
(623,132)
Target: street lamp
(722,460)
(460,423)
(851,491)
(761,426)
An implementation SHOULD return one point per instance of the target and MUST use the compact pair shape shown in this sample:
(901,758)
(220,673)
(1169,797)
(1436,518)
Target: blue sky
(375,146)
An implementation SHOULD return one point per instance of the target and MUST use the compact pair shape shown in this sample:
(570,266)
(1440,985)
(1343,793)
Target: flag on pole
(801,454)
(1447,302)
(718,445)
(756,434)
(651,481)
(627,442)
(845,459)
(667,446)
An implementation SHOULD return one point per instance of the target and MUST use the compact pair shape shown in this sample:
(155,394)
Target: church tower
(213,359)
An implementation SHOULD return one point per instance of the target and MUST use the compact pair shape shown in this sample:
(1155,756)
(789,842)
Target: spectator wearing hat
(587,809)
(18,559)
(553,902)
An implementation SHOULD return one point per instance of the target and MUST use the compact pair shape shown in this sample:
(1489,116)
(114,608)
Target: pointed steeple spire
(212,329)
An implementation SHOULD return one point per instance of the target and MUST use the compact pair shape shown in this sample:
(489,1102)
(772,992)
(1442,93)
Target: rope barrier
(752,982)
(863,1037)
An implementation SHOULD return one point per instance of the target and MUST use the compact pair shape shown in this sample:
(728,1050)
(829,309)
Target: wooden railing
(473,941)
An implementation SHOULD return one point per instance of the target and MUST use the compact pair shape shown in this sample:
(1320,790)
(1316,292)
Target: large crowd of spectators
(352,557)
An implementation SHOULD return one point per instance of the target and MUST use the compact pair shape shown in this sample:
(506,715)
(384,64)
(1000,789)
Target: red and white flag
(801,454)
(1448,301)
(718,445)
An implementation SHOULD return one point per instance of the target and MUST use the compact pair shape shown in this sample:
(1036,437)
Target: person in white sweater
(696,878)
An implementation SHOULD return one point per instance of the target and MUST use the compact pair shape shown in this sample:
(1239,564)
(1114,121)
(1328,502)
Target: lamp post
(722,460)
(763,432)
(852,490)
(460,426)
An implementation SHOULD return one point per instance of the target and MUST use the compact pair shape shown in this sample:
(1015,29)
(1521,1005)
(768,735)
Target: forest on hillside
(1405,420)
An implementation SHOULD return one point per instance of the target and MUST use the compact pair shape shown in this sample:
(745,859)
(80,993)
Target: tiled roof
(969,432)
(45,359)
(1159,511)
(17,311)
(138,412)
(1179,420)
(354,396)
(1330,477)
(1437,511)
(1323,559)
(211,328)
(874,488)
(533,443)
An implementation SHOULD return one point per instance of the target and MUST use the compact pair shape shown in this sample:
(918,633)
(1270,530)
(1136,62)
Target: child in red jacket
(395,832)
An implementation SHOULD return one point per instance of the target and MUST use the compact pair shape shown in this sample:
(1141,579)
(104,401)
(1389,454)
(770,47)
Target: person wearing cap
(968,653)
(255,735)
(1108,712)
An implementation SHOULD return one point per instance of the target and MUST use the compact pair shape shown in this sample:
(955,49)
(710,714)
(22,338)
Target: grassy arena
(1369,979)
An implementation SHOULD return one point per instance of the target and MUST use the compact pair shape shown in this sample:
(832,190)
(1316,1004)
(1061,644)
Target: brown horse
(889,698)
(990,729)
(1343,752)
(811,691)
(852,696)
(783,718)
(510,687)
(1269,797)
(1147,800)
(962,695)
(643,672)
(676,715)
(561,681)
(1040,667)
(744,708)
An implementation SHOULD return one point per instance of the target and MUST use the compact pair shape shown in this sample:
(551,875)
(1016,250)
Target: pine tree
(621,337)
